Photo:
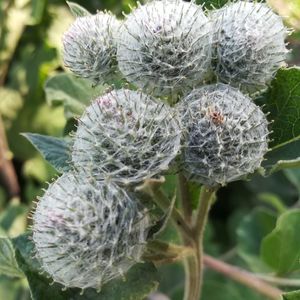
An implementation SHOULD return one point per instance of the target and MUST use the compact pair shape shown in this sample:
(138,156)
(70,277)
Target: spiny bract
(164,46)
(89,46)
(226,135)
(249,45)
(126,136)
(86,234)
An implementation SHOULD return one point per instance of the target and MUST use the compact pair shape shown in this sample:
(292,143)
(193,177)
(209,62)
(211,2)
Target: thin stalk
(206,197)
(192,279)
(243,277)
(184,197)
(164,203)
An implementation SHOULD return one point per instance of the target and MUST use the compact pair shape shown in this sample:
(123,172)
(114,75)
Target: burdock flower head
(89,46)
(87,233)
(126,136)
(249,45)
(226,135)
(164,46)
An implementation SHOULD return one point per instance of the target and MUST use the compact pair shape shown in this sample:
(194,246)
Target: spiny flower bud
(249,45)
(226,135)
(165,46)
(86,234)
(126,136)
(90,46)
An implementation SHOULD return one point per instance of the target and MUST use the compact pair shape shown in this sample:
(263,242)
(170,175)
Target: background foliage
(255,224)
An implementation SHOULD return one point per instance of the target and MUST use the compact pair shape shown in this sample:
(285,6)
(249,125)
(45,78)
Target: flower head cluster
(126,136)
(249,45)
(165,46)
(170,46)
(89,227)
(87,233)
(90,46)
(226,134)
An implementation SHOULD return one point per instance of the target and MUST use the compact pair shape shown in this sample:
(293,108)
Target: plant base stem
(192,278)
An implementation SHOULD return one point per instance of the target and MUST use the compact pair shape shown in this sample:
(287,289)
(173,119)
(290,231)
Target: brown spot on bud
(216,116)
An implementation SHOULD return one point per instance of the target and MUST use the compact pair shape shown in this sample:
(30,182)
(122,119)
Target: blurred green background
(30,50)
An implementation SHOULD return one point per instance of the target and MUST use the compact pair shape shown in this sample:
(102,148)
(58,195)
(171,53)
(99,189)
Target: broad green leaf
(55,150)
(77,10)
(291,296)
(281,248)
(75,93)
(140,281)
(8,263)
(250,233)
(282,100)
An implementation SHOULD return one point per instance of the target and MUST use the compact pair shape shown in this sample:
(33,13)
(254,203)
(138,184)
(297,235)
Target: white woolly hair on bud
(165,46)
(225,135)
(126,136)
(86,233)
(89,47)
(249,45)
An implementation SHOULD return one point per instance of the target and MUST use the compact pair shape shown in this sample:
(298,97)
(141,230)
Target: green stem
(191,266)
(194,264)
(195,273)
(184,197)
(206,197)
(164,203)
